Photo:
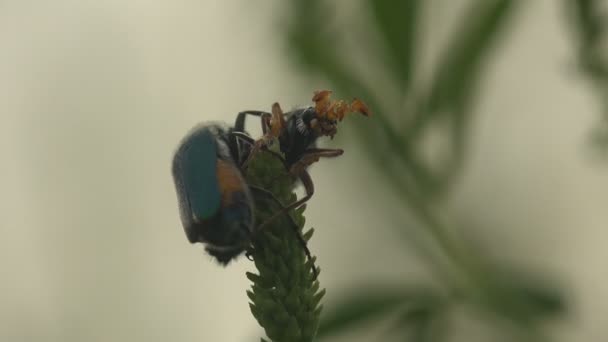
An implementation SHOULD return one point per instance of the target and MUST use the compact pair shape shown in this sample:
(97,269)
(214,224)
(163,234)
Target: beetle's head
(330,112)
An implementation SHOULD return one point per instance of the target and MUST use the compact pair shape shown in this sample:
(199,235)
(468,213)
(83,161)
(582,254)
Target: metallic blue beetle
(215,203)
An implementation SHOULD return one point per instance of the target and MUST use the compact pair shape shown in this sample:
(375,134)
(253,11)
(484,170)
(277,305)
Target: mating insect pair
(216,203)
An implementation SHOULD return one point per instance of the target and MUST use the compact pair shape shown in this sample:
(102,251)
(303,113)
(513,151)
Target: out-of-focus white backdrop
(94,97)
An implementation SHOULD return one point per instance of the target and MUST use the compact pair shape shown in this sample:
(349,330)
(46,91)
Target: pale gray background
(94,97)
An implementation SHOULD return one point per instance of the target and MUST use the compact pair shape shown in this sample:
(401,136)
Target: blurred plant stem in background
(411,109)
(589,19)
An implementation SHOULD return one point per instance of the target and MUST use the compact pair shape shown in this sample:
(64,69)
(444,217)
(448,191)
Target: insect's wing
(194,173)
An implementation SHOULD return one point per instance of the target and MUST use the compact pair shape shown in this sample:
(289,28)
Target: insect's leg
(311,156)
(273,127)
(293,225)
(242,136)
(309,188)
(327,152)
(299,169)
(251,142)
(239,124)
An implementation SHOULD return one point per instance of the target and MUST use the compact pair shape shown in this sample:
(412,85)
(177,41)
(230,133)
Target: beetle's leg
(309,188)
(239,124)
(242,136)
(324,152)
(276,126)
(311,156)
(299,170)
(249,140)
(293,225)
(236,139)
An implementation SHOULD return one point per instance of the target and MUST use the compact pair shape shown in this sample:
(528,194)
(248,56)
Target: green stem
(285,297)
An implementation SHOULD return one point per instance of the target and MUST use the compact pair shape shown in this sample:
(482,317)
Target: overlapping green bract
(284,297)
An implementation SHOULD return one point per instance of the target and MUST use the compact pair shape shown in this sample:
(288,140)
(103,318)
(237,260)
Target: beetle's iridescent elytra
(215,203)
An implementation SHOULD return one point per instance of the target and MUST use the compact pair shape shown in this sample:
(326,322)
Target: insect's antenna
(294,227)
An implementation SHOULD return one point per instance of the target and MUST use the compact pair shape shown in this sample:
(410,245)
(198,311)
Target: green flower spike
(284,295)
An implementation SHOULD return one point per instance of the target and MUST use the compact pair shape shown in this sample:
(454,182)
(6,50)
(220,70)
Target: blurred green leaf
(314,41)
(366,304)
(310,41)
(590,26)
(588,19)
(451,89)
(458,69)
(462,59)
(540,301)
(422,323)
(447,170)
(397,22)
(522,297)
